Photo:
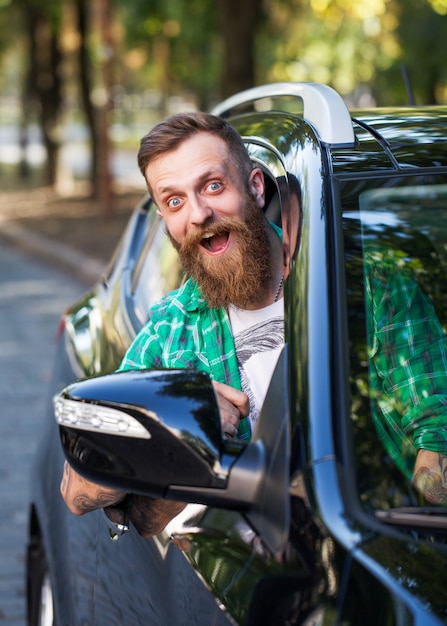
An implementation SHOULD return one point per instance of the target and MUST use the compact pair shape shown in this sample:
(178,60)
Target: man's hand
(430,476)
(150,516)
(233,404)
(81,496)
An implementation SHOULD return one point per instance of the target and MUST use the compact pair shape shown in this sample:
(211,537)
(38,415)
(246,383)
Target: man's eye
(214,186)
(174,203)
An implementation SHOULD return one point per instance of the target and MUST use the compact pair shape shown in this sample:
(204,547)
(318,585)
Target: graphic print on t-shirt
(258,346)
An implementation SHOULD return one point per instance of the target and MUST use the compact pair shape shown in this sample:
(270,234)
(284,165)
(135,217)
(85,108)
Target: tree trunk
(27,95)
(45,60)
(104,175)
(238,25)
(85,82)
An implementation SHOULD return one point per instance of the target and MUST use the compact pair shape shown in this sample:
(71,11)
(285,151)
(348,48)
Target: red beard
(239,276)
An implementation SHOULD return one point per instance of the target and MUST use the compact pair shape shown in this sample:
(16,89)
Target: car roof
(369,140)
(398,138)
(320,105)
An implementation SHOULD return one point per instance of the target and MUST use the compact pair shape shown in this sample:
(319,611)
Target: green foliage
(179,44)
(340,42)
(175,48)
(422,33)
(10,26)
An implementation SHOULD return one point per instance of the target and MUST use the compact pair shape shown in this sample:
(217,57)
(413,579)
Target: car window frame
(370,182)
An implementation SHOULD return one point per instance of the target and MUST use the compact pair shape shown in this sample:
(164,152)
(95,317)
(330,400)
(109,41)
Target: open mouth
(216,243)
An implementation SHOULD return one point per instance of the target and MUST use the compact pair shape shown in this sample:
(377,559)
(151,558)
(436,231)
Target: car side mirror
(156,433)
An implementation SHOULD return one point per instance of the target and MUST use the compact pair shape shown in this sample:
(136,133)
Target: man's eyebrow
(167,189)
(219,172)
(202,178)
(215,170)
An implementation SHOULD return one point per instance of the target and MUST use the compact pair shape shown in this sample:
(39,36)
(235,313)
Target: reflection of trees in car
(376,476)
(406,240)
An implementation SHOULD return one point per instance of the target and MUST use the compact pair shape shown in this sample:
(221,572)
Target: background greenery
(115,67)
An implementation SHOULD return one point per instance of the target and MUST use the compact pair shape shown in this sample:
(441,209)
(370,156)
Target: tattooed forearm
(82,496)
(150,516)
(84,503)
(430,476)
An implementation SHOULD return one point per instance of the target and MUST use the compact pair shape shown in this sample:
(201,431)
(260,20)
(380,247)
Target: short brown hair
(171,132)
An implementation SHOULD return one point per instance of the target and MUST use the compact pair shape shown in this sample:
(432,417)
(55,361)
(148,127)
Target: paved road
(32,298)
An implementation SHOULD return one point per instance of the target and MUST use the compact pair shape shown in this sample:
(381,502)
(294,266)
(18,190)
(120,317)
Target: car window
(396,275)
(158,270)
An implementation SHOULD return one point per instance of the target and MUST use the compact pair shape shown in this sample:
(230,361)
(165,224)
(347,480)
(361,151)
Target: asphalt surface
(74,263)
(37,281)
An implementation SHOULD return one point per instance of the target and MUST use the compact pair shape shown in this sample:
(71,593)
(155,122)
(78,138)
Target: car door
(395,235)
(209,557)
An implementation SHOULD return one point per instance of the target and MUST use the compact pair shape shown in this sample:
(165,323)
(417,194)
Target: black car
(312,522)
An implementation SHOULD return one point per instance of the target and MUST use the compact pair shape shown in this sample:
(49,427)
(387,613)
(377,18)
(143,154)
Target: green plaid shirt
(408,360)
(183,332)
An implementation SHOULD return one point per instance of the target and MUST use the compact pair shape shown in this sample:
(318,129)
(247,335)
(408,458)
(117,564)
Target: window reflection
(395,244)
(159,270)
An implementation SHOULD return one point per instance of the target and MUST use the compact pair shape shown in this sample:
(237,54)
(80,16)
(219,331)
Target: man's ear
(256,184)
(158,211)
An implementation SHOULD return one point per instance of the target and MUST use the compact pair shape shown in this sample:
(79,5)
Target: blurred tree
(45,24)
(202,47)
(43,79)
(86,82)
(179,54)
(337,42)
(363,48)
(421,33)
(238,26)
(95,80)
(103,174)
(177,45)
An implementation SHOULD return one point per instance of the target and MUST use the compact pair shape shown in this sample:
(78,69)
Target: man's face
(198,183)
(213,219)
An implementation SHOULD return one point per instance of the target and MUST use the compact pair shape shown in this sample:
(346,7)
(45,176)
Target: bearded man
(227,319)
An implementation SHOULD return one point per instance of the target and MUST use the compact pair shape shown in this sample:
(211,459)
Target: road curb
(86,270)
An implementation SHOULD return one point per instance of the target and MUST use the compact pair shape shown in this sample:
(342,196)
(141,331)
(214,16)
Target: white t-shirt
(258,337)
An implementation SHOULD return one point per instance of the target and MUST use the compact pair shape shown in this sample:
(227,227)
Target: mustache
(209,229)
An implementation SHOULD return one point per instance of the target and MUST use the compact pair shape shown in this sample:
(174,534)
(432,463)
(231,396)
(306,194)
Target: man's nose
(199,210)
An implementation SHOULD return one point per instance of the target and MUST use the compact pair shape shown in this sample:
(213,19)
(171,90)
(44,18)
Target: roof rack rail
(324,108)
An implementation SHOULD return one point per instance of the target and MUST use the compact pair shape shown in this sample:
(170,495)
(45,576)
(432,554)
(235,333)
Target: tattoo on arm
(85,503)
(83,496)
(432,481)
(150,516)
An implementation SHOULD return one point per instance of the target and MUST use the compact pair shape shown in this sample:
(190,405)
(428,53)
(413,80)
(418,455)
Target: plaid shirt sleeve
(182,332)
(408,360)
